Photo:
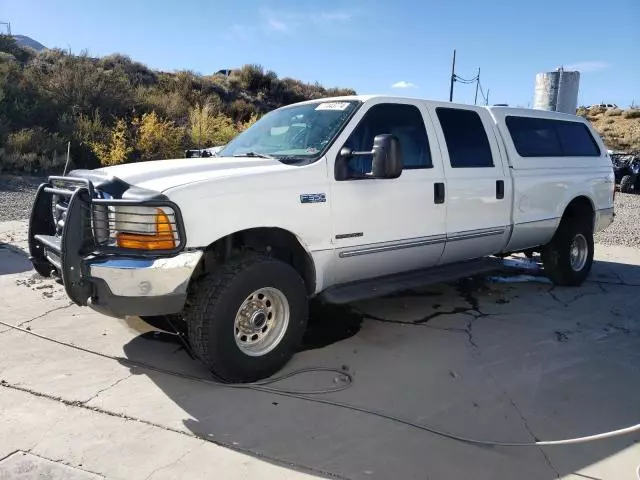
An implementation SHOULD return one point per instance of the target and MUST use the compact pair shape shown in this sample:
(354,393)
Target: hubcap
(578,252)
(261,321)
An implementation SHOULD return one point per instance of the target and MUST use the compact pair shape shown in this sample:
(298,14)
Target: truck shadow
(516,361)
(13,260)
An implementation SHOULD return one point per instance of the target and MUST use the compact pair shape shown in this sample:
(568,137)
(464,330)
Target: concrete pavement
(507,357)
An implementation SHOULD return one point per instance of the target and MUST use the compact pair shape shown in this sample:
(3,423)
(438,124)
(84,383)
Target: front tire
(568,258)
(627,183)
(246,319)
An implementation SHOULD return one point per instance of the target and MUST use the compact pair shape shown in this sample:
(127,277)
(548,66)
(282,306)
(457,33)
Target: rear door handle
(500,189)
(438,193)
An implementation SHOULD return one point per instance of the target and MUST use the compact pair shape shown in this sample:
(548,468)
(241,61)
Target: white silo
(557,91)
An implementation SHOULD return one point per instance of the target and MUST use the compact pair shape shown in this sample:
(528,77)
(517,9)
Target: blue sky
(368,45)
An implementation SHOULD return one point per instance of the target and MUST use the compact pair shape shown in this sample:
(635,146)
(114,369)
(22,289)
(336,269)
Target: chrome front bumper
(139,286)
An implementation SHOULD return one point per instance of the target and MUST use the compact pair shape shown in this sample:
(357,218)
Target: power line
(466,81)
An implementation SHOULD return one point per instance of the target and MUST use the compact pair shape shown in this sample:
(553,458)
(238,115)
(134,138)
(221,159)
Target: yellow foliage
(119,147)
(209,128)
(156,138)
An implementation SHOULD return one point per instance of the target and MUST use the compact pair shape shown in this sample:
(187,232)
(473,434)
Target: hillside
(620,129)
(24,41)
(114,109)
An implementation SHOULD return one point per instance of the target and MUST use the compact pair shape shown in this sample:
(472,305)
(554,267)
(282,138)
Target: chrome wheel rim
(578,252)
(261,321)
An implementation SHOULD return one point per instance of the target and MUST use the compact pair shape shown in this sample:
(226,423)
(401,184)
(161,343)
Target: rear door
(478,191)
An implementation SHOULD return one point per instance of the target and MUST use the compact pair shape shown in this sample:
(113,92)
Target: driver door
(386,226)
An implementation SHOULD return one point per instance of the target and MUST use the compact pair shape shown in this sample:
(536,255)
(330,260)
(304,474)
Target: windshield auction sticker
(333,106)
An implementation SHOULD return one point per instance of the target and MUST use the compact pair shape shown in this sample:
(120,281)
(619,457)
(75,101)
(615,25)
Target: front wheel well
(272,241)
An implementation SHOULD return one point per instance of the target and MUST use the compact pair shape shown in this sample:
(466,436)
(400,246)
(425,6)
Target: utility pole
(8,24)
(453,76)
(475,100)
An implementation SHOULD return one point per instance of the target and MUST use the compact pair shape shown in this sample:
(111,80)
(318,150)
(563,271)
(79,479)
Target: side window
(466,138)
(534,137)
(542,137)
(576,140)
(403,121)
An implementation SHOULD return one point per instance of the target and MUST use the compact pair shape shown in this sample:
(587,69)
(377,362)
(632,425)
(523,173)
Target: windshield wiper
(255,155)
(289,160)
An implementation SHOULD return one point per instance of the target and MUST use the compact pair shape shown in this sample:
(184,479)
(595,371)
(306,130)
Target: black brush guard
(63,243)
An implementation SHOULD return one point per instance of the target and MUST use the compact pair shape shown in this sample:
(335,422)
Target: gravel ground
(16,197)
(625,230)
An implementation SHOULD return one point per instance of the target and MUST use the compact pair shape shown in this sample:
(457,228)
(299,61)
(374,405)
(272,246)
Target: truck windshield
(293,134)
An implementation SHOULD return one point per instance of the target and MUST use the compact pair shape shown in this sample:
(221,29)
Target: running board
(381,286)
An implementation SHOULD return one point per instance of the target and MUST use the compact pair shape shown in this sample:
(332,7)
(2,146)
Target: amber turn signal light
(163,239)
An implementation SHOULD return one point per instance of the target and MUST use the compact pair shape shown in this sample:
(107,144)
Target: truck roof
(528,112)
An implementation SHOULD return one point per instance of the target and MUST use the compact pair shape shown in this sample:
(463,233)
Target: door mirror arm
(386,164)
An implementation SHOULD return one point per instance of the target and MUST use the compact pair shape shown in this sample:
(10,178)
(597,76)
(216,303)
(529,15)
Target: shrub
(33,150)
(241,110)
(34,140)
(596,111)
(118,149)
(615,112)
(632,113)
(609,121)
(208,128)
(157,139)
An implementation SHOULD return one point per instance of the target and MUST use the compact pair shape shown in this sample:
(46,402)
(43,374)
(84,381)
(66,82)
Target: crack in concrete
(61,461)
(102,390)
(26,322)
(528,429)
(524,420)
(179,459)
(602,289)
(469,332)
(570,301)
(411,323)
(235,448)
(8,455)
(553,295)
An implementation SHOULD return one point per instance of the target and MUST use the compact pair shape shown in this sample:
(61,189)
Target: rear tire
(246,319)
(568,258)
(627,184)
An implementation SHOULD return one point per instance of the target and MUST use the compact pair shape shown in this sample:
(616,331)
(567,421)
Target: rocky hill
(620,129)
(24,41)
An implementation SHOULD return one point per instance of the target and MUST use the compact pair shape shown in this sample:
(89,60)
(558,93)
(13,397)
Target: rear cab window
(466,138)
(544,137)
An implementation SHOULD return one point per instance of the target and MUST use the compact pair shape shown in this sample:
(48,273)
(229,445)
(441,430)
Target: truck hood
(162,175)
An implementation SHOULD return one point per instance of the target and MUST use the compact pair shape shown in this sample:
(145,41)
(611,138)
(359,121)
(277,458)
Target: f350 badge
(313,198)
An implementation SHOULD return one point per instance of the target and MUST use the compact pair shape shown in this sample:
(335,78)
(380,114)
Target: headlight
(145,228)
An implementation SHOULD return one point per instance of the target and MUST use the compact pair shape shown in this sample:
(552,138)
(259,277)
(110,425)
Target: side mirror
(387,157)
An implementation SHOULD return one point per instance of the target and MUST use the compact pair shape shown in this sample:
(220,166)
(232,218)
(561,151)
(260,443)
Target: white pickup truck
(342,198)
